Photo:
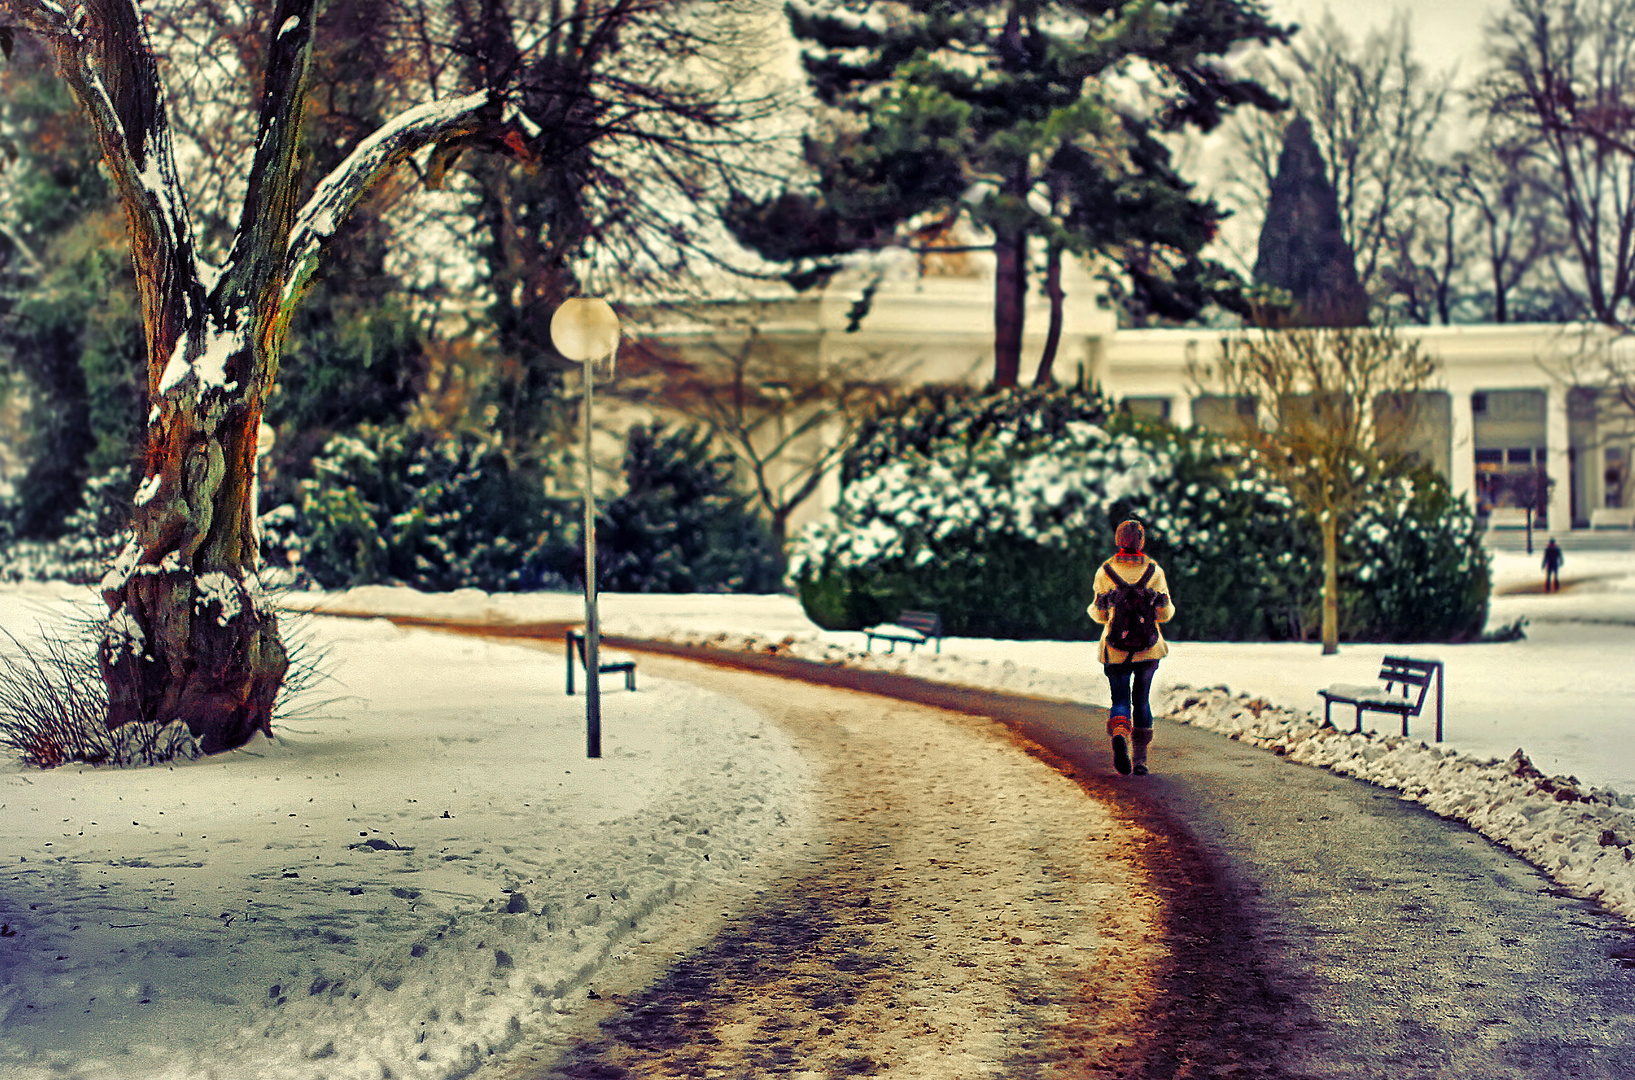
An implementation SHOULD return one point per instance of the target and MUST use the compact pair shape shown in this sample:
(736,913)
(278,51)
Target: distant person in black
(1552,566)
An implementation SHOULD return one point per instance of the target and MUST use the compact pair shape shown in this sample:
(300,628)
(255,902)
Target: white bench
(1607,517)
(914,628)
(1507,517)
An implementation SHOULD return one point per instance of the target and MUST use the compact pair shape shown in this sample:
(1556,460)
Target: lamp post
(586,330)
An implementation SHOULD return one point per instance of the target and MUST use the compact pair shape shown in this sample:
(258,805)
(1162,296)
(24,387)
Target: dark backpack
(1133,626)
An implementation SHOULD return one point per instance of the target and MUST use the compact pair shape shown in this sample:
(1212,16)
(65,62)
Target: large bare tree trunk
(188,639)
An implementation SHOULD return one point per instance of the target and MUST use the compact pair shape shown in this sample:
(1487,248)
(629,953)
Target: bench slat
(1394,671)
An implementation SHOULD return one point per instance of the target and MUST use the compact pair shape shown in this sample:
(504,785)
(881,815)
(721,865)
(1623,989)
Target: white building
(1506,404)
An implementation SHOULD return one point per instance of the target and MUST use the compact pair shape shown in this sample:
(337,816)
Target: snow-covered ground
(413,876)
(428,869)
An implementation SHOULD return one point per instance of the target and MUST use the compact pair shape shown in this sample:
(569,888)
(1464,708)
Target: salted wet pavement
(1288,923)
(958,910)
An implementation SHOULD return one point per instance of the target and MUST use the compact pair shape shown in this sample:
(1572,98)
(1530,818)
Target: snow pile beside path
(1580,837)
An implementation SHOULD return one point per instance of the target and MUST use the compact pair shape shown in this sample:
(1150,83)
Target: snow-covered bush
(434,510)
(1001,530)
(938,413)
(1242,563)
(92,536)
(1411,563)
(989,524)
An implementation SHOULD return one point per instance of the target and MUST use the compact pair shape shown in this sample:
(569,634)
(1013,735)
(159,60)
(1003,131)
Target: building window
(1153,407)
(1478,403)
(1519,455)
(1490,457)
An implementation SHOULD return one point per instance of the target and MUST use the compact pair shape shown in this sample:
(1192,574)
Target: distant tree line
(1505,193)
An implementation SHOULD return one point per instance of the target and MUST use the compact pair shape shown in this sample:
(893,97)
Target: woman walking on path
(1132,598)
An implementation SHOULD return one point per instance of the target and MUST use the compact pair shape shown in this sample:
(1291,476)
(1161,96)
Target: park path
(1278,920)
(956,908)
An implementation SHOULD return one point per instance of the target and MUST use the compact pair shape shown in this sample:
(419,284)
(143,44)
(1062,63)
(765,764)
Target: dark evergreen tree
(1303,250)
(998,112)
(681,525)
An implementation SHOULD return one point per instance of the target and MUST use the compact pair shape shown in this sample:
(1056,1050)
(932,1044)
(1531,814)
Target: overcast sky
(1444,31)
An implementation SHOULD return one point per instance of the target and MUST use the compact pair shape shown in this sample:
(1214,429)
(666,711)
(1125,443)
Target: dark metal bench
(1395,671)
(575,638)
(913,627)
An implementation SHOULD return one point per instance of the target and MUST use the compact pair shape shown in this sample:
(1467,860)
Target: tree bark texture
(188,637)
(1010,296)
(1053,335)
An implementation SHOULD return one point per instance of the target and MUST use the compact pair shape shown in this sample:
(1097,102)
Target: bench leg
(1358,729)
(630,678)
(570,665)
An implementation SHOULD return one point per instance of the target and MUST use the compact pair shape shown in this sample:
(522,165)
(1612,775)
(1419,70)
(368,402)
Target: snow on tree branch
(336,195)
(36,16)
(105,57)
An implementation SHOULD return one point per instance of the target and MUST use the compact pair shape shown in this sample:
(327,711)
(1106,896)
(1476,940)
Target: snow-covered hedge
(1000,529)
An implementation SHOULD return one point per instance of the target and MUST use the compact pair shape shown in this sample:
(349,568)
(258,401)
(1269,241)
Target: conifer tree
(1021,118)
(1303,250)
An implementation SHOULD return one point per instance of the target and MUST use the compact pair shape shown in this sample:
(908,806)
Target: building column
(1558,462)
(1180,411)
(1462,448)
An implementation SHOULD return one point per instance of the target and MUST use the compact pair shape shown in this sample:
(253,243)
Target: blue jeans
(1132,680)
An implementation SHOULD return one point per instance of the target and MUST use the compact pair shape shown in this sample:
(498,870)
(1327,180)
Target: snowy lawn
(426,870)
(1563,694)
(402,882)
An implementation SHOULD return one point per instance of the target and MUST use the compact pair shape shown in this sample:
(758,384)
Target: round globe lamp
(586,330)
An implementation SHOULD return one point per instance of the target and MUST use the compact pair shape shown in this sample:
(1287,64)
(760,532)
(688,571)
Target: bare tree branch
(434,122)
(103,53)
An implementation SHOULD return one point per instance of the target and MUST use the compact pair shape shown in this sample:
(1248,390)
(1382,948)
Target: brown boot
(1143,739)
(1118,726)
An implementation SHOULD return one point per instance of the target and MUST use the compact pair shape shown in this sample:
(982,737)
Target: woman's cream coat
(1131,570)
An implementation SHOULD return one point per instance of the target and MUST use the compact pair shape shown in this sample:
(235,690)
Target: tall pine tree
(1023,118)
(1303,250)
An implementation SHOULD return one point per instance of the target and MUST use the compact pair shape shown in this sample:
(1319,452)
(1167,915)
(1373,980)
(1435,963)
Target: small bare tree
(786,412)
(1334,406)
